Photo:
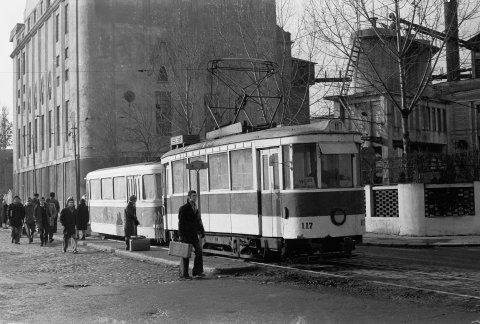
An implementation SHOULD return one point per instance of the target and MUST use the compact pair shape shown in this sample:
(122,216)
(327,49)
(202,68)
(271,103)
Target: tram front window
(337,171)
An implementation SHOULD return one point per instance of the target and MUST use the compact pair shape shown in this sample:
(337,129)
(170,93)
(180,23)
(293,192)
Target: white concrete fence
(418,209)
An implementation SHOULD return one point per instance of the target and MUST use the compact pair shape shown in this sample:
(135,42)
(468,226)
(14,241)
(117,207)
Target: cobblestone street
(31,289)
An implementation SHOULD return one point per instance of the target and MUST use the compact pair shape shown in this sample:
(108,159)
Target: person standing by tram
(83,218)
(69,221)
(190,226)
(16,214)
(130,221)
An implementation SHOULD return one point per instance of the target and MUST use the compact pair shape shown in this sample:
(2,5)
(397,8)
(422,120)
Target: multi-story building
(102,83)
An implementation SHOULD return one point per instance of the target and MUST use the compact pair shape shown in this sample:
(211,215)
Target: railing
(426,168)
(385,201)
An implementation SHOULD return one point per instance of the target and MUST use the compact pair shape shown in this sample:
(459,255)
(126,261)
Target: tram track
(400,278)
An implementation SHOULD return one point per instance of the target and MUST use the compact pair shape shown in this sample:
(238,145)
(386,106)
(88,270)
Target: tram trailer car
(108,191)
(281,191)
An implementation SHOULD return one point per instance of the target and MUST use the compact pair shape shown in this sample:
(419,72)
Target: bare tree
(5,129)
(407,36)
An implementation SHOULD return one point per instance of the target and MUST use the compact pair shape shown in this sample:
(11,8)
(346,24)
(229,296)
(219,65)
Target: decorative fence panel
(385,202)
(449,201)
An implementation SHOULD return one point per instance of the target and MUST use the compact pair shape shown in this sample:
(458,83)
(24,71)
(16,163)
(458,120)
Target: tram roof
(118,170)
(321,127)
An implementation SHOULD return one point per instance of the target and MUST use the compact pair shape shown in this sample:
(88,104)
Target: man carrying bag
(189,227)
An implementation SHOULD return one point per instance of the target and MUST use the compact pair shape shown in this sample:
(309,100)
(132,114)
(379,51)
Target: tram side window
(180,180)
(286,166)
(107,188)
(242,169)
(119,188)
(203,176)
(337,171)
(305,165)
(152,187)
(95,189)
(218,171)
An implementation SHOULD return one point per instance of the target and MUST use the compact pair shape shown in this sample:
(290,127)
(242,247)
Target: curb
(419,245)
(161,261)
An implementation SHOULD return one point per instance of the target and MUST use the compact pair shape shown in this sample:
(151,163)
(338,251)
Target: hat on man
(36,194)
(133,198)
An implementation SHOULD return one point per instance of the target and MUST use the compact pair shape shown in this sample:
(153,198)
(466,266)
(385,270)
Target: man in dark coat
(16,214)
(42,221)
(69,221)
(83,218)
(130,221)
(189,227)
(54,215)
(30,219)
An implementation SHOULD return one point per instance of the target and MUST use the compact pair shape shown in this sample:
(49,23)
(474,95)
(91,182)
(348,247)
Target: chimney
(452,49)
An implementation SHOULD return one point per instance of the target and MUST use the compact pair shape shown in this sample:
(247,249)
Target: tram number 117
(307,225)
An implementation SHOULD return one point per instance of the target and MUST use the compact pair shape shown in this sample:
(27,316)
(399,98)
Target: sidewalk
(212,265)
(420,241)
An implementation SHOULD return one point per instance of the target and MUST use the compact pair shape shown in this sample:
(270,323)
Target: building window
(48,4)
(42,132)
(57,27)
(66,121)
(444,113)
(19,143)
(29,138)
(34,16)
(35,136)
(28,24)
(18,93)
(19,67)
(66,19)
(23,89)
(58,126)
(162,74)
(23,63)
(57,61)
(66,75)
(50,133)
(41,8)
(24,141)
(66,52)
(58,80)
(18,109)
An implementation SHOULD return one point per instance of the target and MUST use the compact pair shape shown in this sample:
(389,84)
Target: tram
(280,191)
(108,191)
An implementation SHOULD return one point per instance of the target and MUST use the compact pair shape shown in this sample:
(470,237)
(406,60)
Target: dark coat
(83,217)
(56,204)
(16,214)
(69,220)
(130,221)
(42,216)
(29,212)
(189,224)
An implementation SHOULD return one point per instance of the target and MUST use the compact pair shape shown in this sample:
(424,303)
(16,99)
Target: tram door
(270,193)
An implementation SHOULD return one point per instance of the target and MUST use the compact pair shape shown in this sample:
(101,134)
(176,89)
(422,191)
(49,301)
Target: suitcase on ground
(180,249)
(139,244)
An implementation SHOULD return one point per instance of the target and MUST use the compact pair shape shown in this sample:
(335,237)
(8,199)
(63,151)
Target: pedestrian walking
(190,226)
(54,213)
(69,221)
(42,221)
(83,218)
(130,220)
(3,212)
(16,215)
(30,219)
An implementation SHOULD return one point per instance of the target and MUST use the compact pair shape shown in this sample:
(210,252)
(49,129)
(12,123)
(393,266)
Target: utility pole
(75,156)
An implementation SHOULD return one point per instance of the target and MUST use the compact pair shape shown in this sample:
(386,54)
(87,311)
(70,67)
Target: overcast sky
(10,14)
